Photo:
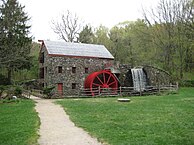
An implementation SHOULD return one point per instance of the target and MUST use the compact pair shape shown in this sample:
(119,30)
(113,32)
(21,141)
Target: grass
(18,123)
(161,120)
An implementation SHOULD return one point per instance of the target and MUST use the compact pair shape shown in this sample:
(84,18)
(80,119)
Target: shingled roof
(62,48)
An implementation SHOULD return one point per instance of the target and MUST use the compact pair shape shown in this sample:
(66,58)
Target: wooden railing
(127,91)
(121,91)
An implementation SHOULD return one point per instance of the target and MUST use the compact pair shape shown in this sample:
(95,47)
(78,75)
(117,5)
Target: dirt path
(56,127)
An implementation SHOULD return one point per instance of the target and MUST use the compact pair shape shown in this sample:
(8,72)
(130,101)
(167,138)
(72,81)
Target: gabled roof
(60,48)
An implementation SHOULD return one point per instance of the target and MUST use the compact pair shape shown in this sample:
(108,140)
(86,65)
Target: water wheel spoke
(112,83)
(104,78)
(99,85)
(100,80)
(108,79)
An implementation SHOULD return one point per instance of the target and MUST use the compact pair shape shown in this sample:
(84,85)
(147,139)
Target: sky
(94,12)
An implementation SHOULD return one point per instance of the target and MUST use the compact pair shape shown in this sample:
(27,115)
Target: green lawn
(18,123)
(163,120)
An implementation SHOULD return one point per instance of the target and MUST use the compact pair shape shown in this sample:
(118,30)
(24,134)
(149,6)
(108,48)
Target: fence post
(99,90)
(158,88)
(177,86)
(120,90)
(140,91)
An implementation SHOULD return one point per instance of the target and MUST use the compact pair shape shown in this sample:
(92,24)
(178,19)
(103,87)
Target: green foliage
(7,92)
(187,83)
(164,38)
(165,119)
(48,91)
(19,123)
(101,37)
(28,74)
(18,91)
(2,88)
(3,80)
(86,35)
(15,40)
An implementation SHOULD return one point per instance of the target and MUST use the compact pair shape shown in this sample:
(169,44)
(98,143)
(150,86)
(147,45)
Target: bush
(2,88)
(48,91)
(18,92)
(7,92)
(187,83)
(3,80)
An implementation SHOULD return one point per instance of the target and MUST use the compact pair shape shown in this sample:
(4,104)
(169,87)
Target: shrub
(48,91)
(187,83)
(2,88)
(18,91)
(3,80)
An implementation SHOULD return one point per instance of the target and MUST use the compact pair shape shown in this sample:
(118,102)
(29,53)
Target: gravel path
(56,127)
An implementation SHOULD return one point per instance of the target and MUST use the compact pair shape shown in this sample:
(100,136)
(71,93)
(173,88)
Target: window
(73,85)
(86,70)
(59,69)
(42,57)
(41,75)
(73,69)
(45,70)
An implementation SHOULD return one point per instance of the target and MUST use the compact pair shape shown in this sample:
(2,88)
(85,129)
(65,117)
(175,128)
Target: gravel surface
(56,128)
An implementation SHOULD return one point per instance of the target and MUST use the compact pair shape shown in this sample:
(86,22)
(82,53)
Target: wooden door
(60,89)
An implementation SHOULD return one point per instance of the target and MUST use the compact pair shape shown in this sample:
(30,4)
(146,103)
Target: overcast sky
(94,12)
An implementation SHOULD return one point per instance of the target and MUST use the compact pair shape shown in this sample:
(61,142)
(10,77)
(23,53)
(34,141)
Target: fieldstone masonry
(52,77)
(67,74)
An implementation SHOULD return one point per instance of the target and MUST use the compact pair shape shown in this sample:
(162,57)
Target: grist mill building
(65,65)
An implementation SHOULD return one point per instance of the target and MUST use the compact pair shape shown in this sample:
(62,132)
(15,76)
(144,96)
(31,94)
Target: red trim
(60,55)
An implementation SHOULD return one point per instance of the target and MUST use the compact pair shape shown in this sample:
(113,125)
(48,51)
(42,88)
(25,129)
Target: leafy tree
(14,37)
(129,43)
(86,35)
(121,43)
(102,38)
(170,34)
(68,27)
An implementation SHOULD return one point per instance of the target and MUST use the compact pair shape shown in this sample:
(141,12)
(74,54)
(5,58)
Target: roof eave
(73,56)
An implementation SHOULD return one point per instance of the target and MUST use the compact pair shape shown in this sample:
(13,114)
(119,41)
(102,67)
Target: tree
(68,27)
(14,37)
(102,38)
(86,35)
(169,33)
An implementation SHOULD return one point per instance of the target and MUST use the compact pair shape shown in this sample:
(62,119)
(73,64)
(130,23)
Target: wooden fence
(127,91)
(121,91)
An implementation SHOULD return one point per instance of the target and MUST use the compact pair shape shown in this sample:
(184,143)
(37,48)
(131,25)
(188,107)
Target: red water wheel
(97,81)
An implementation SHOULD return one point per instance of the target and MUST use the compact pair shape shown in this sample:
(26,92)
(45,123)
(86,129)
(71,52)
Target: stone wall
(52,77)
(155,76)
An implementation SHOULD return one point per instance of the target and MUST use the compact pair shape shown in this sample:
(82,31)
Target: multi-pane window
(73,85)
(86,70)
(73,69)
(59,69)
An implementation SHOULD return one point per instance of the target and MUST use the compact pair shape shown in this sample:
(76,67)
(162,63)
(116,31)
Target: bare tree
(68,27)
